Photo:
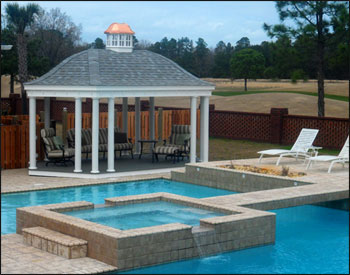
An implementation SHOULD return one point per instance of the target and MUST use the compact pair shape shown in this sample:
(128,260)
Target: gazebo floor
(123,166)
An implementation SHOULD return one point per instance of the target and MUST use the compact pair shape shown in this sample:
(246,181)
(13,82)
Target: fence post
(42,116)
(160,123)
(14,98)
(276,124)
(144,105)
(64,123)
(115,117)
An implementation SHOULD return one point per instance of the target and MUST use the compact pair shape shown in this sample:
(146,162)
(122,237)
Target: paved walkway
(17,180)
(19,258)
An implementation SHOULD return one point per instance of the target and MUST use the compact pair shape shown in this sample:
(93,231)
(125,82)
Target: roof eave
(112,91)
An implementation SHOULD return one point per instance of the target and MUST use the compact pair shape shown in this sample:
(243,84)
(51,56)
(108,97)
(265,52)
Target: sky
(152,20)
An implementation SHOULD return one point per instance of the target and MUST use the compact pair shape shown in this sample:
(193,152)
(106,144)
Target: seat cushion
(103,136)
(168,150)
(58,142)
(86,148)
(181,148)
(71,135)
(182,138)
(68,152)
(122,146)
(47,132)
(49,144)
(103,147)
(86,136)
(179,132)
(47,135)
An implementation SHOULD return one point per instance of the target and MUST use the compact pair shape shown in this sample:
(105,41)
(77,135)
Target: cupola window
(119,37)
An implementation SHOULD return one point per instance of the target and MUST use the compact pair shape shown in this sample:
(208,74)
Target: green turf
(235,93)
(224,149)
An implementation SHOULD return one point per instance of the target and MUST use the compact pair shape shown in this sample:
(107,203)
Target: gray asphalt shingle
(97,67)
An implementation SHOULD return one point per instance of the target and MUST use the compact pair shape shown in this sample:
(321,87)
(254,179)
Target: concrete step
(55,242)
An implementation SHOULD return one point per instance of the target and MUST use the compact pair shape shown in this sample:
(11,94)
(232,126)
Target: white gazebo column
(201,128)
(151,119)
(204,138)
(77,142)
(110,135)
(137,124)
(193,129)
(95,119)
(32,133)
(125,115)
(47,112)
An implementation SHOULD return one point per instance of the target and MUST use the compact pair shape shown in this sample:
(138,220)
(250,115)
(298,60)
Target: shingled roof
(99,67)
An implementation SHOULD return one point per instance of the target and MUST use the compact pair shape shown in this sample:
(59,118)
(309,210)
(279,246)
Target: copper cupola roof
(121,28)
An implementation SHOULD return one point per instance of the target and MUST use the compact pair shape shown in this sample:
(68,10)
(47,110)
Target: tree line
(316,47)
(41,39)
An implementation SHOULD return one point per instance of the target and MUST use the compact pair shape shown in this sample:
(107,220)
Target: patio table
(142,141)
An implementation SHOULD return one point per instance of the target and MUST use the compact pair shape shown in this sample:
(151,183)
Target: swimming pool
(309,239)
(138,215)
(96,194)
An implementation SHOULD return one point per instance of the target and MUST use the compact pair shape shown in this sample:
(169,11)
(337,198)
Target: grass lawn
(224,92)
(227,149)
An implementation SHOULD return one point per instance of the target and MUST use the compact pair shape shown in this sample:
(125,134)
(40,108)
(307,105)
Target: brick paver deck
(18,180)
(20,258)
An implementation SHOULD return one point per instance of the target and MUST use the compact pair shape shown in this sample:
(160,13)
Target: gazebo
(118,71)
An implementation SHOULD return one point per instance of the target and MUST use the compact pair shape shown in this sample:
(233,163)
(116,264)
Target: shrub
(297,75)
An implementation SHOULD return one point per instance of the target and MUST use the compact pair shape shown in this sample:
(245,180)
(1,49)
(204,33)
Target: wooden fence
(169,118)
(15,132)
(15,145)
(17,119)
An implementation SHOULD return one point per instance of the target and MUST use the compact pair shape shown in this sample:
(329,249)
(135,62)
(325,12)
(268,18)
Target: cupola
(119,38)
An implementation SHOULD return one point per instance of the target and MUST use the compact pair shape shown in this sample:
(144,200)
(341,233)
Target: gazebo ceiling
(98,67)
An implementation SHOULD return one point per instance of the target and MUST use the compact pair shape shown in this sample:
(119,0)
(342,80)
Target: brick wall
(332,131)
(239,125)
(277,127)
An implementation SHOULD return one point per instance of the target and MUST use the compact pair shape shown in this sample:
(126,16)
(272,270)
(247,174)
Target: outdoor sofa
(121,142)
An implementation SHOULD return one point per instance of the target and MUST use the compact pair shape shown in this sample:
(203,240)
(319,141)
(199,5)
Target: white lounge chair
(341,158)
(301,146)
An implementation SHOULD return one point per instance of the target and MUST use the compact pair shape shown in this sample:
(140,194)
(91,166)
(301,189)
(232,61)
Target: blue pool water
(309,239)
(96,194)
(144,214)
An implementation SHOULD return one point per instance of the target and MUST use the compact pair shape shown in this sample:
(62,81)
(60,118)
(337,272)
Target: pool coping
(69,182)
(310,189)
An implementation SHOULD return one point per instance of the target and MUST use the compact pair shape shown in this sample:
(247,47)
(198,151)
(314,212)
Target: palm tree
(19,18)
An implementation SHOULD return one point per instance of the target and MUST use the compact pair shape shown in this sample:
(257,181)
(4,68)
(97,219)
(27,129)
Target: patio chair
(178,146)
(301,146)
(341,158)
(54,149)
